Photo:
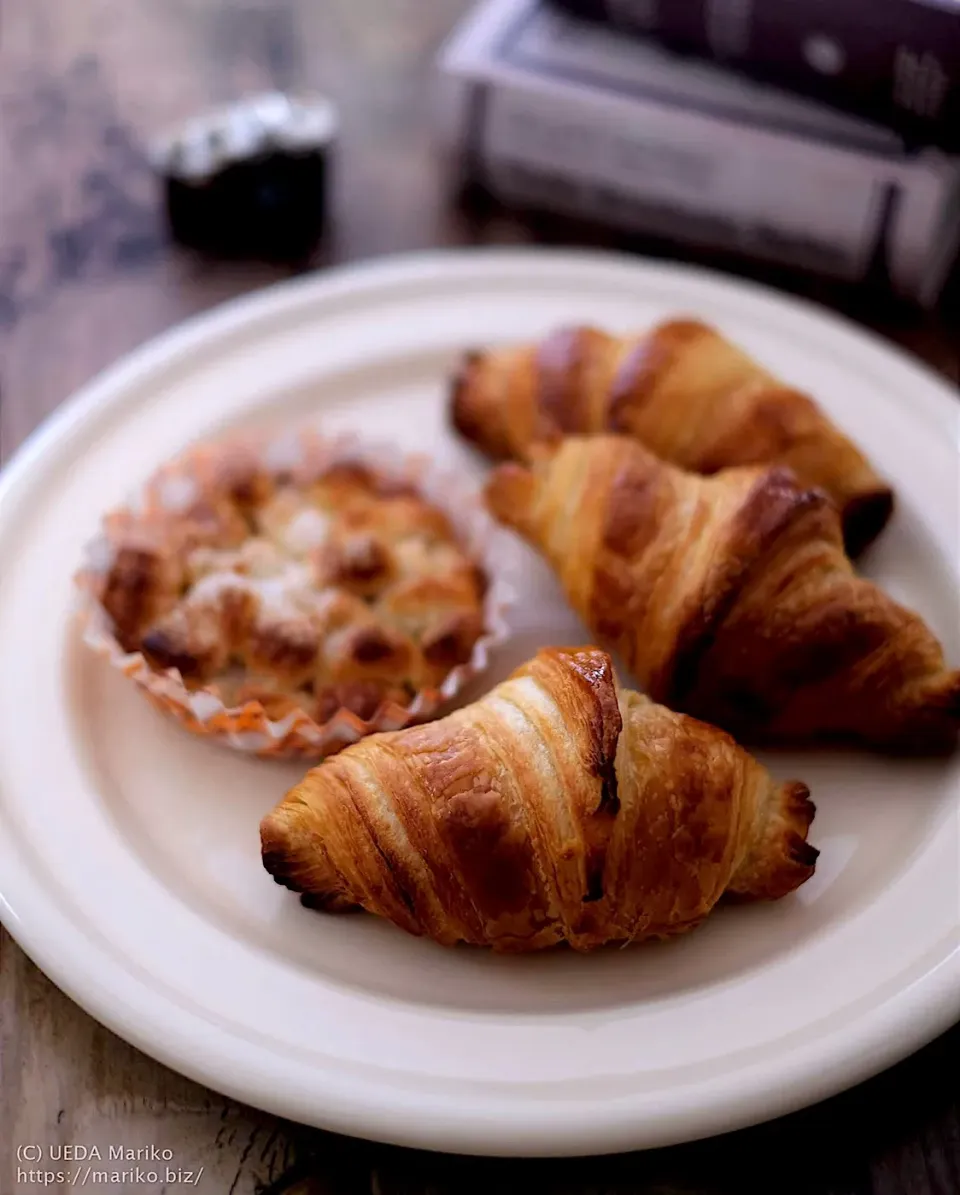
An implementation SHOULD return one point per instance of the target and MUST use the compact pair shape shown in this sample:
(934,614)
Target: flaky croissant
(556,808)
(730,597)
(683,391)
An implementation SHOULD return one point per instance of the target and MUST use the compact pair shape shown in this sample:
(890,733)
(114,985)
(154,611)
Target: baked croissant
(683,391)
(730,597)
(557,808)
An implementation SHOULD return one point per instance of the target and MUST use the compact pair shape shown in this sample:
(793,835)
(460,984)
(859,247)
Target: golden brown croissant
(556,808)
(730,597)
(683,391)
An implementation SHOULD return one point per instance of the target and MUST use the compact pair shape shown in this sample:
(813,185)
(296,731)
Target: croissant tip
(278,872)
(802,812)
(933,730)
(799,803)
(275,852)
(462,411)
(277,865)
(329,902)
(864,517)
(803,853)
(951,697)
(507,492)
(791,860)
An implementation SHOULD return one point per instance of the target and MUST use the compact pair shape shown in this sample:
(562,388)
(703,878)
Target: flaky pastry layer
(683,391)
(557,808)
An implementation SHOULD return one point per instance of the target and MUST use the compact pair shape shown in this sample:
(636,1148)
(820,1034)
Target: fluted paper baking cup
(302,453)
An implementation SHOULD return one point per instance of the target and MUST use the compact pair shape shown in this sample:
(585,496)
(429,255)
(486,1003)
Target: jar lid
(268,123)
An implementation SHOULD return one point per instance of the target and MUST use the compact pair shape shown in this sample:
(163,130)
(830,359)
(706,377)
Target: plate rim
(926,1009)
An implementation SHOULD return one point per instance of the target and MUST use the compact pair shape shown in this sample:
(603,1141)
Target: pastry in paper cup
(289,593)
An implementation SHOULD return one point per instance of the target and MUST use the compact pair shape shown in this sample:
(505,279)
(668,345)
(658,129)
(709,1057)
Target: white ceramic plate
(129,860)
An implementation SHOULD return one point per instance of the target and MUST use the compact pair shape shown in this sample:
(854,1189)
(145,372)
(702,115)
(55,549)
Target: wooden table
(86,274)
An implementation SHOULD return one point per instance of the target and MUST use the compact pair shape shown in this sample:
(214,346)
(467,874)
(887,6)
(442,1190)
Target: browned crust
(493,854)
(136,588)
(480,855)
(802,812)
(164,651)
(731,598)
(243,633)
(633,500)
(350,475)
(864,517)
(239,477)
(641,369)
(450,642)
(469,414)
(278,863)
(773,505)
(788,859)
(562,399)
(359,563)
(594,669)
(639,499)
(363,698)
(932,727)
(279,850)
(300,862)
(509,492)
(799,812)
(375,645)
(284,649)
(689,395)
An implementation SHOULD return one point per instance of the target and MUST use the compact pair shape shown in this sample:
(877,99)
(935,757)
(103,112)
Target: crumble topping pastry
(308,584)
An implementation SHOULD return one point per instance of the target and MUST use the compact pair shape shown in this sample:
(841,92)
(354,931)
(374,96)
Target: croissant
(730,597)
(557,808)
(683,391)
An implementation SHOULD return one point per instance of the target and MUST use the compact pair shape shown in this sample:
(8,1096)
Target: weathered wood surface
(86,274)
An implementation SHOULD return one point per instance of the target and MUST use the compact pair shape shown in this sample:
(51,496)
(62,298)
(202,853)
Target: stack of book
(658,118)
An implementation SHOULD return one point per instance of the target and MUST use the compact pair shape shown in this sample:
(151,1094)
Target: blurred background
(151,167)
(807,145)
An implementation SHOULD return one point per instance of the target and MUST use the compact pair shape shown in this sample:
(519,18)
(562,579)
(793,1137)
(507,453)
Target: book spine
(896,62)
(547,119)
(676,177)
(925,232)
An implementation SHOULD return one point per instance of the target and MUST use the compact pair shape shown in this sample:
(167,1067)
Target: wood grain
(87,273)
